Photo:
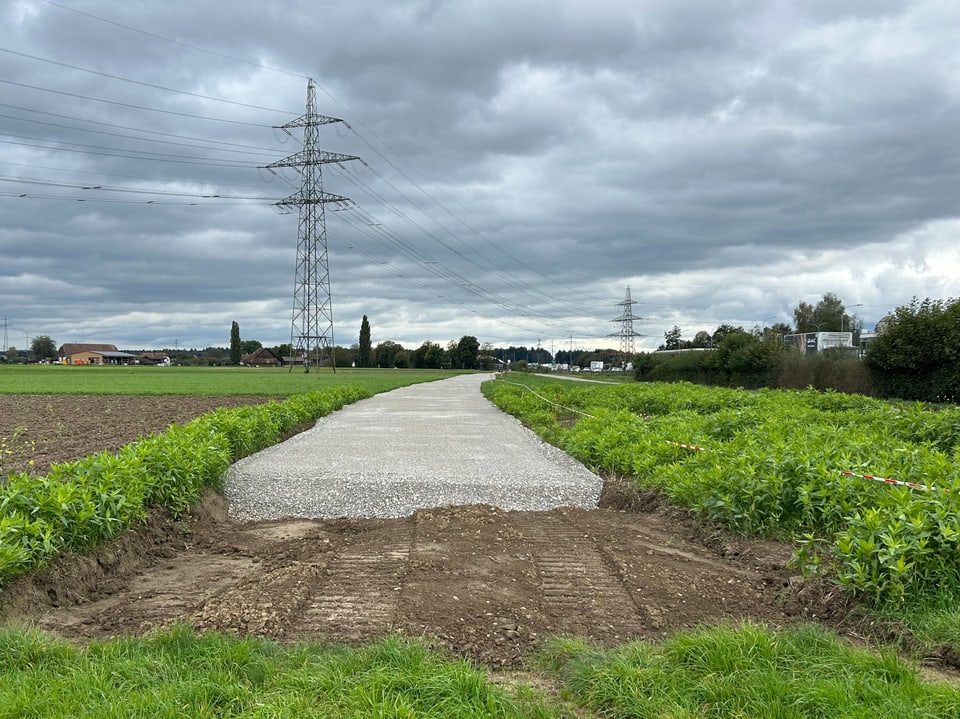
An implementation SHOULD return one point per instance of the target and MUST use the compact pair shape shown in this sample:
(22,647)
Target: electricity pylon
(311,326)
(626,333)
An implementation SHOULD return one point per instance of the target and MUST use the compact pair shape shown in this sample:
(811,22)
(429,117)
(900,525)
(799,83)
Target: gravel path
(428,445)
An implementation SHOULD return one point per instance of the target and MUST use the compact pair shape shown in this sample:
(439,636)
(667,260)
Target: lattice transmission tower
(311,327)
(626,333)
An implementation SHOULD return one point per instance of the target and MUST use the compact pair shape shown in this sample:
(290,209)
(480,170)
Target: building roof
(261,353)
(75,348)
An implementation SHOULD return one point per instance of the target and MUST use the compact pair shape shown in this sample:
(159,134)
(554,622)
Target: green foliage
(773,466)
(235,349)
(746,671)
(363,349)
(80,504)
(177,673)
(916,355)
(744,360)
(466,353)
(42,347)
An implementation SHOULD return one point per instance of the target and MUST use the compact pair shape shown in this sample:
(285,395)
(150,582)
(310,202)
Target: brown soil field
(488,584)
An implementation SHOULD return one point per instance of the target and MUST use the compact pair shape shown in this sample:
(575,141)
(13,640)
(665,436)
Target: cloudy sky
(524,162)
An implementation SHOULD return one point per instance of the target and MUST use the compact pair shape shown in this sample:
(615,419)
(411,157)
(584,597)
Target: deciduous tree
(468,348)
(42,347)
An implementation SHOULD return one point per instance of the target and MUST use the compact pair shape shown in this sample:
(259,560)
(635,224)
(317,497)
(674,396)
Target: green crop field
(800,466)
(199,381)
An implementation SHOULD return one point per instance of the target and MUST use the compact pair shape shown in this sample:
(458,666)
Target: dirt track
(489,584)
(486,583)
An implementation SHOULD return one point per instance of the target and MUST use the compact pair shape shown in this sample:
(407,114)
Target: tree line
(915,354)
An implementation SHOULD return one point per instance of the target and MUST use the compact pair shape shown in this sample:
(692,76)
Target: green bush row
(79,504)
(773,466)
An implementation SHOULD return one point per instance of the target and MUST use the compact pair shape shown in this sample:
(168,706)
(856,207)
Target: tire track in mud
(489,584)
(358,591)
(578,583)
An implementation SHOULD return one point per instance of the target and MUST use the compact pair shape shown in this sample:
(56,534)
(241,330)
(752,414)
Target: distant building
(93,354)
(262,357)
(154,358)
(813,342)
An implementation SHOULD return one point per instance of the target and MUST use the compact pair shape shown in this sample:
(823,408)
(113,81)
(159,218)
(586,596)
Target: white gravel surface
(428,445)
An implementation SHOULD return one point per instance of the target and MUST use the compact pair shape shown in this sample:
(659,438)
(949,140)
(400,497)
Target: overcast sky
(524,162)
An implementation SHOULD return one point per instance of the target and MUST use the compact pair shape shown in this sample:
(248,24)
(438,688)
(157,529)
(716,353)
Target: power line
(111,76)
(101,188)
(133,106)
(147,33)
(128,137)
(259,149)
(523,287)
(63,198)
(131,155)
(471,256)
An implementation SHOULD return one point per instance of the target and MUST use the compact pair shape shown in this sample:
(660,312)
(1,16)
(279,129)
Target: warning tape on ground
(885,480)
(548,401)
(888,480)
(696,447)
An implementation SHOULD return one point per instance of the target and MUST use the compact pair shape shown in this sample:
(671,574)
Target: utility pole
(311,326)
(626,333)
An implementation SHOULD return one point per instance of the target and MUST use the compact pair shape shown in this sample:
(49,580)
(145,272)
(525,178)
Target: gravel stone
(428,445)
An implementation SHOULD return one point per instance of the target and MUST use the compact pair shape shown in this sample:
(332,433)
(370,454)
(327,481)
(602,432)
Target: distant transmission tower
(626,333)
(311,328)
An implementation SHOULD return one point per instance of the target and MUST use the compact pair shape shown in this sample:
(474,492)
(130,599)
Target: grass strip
(177,673)
(746,671)
(722,672)
(200,381)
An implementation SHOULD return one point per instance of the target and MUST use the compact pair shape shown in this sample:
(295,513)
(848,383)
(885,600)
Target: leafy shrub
(774,465)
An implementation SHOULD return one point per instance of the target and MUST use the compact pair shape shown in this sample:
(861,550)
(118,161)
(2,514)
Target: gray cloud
(526,162)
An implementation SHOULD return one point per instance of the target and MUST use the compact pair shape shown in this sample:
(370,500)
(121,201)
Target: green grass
(722,672)
(198,381)
(746,671)
(176,673)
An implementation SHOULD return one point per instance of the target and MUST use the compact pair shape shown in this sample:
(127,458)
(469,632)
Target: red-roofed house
(98,354)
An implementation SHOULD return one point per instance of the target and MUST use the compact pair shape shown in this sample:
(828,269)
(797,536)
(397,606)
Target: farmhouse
(261,357)
(96,354)
(154,358)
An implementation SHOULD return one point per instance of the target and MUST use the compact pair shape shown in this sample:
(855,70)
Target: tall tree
(390,354)
(467,350)
(235,350)
(42,347)
(671,339)
(724,331)
(363,350)
(429,355)
(702,339)
(829,315)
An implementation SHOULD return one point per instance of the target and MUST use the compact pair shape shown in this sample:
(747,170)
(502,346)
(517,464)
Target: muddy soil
(39,430)
(486,583)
